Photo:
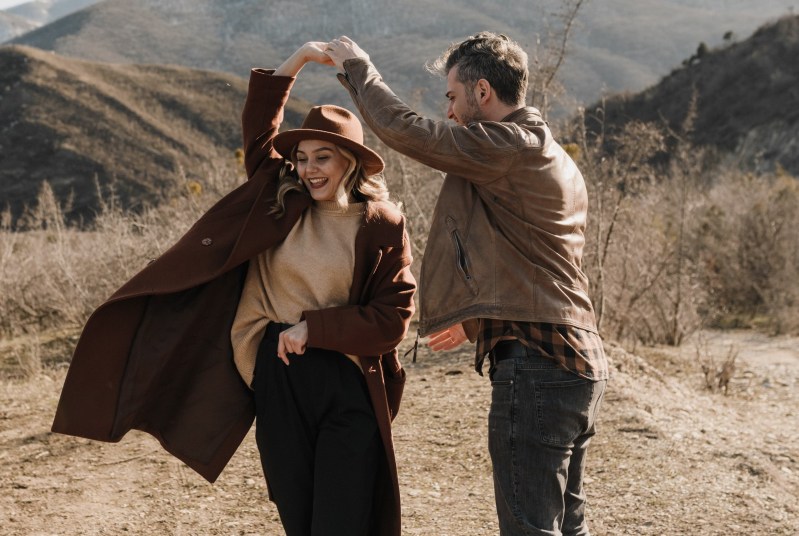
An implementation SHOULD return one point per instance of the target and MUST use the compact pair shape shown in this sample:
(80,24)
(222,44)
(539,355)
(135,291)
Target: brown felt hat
(333,124)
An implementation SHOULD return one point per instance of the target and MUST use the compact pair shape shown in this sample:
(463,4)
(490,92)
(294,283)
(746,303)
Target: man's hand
(447,339)
(292,341)
(343,49)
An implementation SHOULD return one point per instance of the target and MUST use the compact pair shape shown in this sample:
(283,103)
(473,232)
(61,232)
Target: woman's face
(321,166)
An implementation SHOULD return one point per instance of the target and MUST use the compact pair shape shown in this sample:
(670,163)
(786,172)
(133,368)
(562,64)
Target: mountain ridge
(141,131)
(66,120)
(746,99)
(619,45)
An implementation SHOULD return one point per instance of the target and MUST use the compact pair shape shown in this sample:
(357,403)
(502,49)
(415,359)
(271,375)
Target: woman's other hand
(292,341)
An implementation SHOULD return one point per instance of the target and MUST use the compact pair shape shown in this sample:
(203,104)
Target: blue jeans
(541,421)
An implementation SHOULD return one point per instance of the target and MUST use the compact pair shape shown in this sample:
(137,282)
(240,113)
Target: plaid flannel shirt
(576,350)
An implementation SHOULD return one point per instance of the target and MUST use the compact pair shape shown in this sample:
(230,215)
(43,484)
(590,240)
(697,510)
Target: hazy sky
(8,3)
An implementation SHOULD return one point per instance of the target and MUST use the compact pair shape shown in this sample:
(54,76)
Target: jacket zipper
(463,262)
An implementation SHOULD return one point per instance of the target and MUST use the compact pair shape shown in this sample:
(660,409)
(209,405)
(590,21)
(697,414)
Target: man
(502,267)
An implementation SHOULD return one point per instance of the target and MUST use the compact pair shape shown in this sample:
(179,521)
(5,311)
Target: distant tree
(728,36)
(702,50)
(549,56)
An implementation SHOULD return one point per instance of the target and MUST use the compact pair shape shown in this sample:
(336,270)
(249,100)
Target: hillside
(747,99)
(617,45)
(136,129)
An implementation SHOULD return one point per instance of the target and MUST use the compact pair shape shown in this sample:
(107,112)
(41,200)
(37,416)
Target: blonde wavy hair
(362,186)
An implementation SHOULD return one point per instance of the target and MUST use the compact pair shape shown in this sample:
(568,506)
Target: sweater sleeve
(263,112)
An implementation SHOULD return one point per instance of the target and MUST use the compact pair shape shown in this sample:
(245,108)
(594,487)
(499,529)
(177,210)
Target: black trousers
(318,439)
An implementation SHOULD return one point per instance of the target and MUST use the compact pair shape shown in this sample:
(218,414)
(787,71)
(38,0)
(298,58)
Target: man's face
(463,107)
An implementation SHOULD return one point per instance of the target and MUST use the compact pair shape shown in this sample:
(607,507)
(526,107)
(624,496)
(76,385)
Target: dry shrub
(717,376)
(749,249)
(54,274)
(678,243)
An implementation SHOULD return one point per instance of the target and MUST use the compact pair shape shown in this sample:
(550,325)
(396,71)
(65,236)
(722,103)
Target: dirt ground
(671,457)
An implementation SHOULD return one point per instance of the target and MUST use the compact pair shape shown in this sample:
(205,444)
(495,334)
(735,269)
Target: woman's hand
(312,51)
(292,341)
(447,339)
(315,51)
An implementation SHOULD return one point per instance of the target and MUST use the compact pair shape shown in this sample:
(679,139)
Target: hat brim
(286,141)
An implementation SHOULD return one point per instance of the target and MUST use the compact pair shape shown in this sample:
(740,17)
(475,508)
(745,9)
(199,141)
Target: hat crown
(336,120)
(333,124)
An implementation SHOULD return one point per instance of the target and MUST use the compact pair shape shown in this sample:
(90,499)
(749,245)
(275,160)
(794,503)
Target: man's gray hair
(494,57)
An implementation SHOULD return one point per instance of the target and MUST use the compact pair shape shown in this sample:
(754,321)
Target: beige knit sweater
(311,269)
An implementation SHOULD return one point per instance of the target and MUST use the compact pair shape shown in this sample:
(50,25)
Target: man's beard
(473,109)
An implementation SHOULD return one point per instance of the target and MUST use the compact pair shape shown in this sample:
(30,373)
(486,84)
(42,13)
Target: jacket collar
(524,115)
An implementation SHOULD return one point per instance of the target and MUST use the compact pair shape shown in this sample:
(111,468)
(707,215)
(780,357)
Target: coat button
(207,242)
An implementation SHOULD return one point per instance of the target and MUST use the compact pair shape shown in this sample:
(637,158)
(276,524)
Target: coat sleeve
(263,112)
(481,152)
(379,325)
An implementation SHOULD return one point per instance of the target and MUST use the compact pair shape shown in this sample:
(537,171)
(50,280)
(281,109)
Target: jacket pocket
(462,262)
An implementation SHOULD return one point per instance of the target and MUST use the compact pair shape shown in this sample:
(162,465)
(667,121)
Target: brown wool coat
(157,356)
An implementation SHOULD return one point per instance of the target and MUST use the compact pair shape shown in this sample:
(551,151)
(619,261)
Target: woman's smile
(318,182)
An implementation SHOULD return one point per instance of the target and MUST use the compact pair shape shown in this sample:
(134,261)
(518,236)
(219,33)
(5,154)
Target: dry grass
(54,275)
(738,252)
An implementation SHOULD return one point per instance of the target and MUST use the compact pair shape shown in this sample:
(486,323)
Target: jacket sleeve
(263,112)
(378,326)
(480,152)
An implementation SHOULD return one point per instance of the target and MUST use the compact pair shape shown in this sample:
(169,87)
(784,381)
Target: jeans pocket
(563,410)
(500,415)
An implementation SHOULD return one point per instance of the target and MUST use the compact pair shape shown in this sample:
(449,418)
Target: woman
(290,276)
(315,425)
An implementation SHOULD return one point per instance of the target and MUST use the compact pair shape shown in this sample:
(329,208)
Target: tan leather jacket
(507,235)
